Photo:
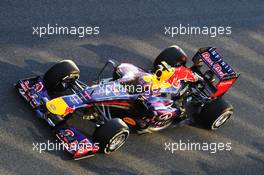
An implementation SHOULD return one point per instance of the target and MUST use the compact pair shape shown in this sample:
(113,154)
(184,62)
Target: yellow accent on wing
(57,106)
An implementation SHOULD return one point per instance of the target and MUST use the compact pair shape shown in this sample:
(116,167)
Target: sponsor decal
(39,86)
(181,73)
(53,107)
(166,116)
(129,121)
(217,68)
(69,132)
(207,58)
(214,61)
(161,120)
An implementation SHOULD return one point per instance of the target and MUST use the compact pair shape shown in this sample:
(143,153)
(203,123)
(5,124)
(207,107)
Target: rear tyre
(172,55)
(215,114)
(112,135)
(61,75)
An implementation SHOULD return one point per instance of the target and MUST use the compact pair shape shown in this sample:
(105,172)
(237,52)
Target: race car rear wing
(223,71)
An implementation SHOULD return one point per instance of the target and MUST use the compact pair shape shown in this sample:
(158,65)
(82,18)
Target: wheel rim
(64,83)
(70,78)
(222,119)
(117,142)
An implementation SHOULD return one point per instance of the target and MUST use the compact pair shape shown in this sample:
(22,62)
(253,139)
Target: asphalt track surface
(132,32)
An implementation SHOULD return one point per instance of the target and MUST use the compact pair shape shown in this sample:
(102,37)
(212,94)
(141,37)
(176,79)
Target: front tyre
(61,75)
(112,135)
(216,113)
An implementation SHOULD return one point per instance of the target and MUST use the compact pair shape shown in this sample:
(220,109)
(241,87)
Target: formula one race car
(99,118)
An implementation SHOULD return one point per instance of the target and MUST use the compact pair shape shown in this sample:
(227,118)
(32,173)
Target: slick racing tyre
(61,75)
(172,55)
(216,113)
(112,135)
